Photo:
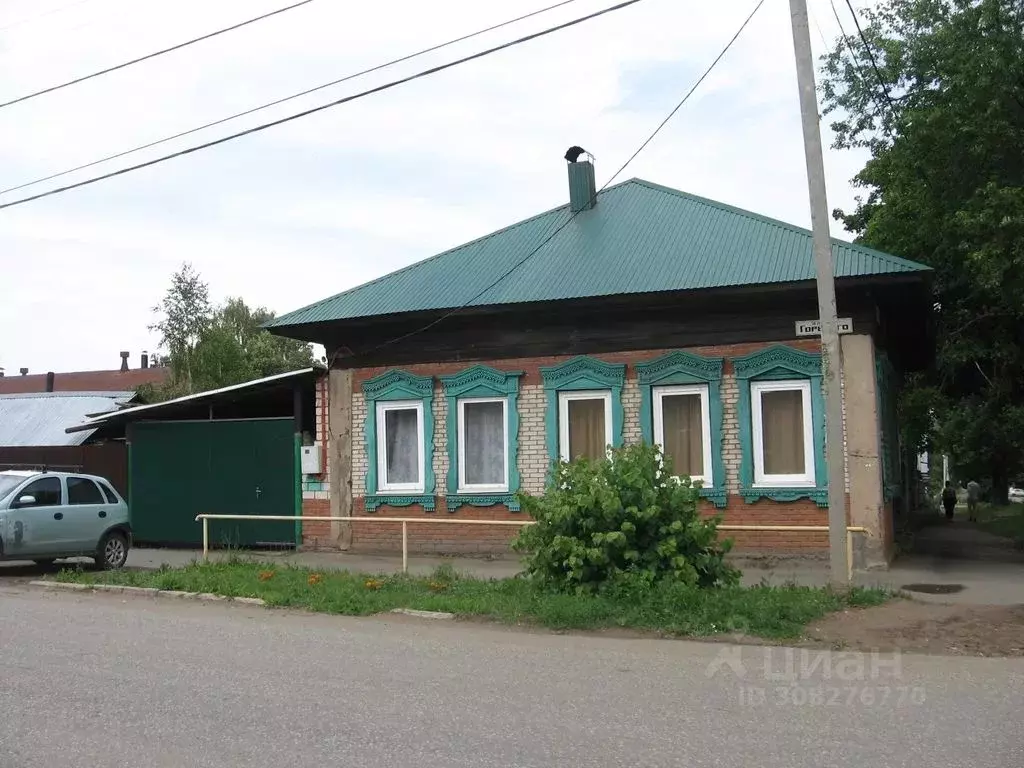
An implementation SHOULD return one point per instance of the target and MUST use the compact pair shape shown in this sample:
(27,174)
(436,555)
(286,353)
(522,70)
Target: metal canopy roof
(41,418)
(155,410)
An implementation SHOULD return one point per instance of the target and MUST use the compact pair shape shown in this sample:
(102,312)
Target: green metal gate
(179,469)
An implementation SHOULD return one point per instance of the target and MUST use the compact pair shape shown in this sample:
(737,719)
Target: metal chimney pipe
(124,361)
(49,381)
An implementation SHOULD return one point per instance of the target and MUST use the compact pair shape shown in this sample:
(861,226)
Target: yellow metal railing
(205,519)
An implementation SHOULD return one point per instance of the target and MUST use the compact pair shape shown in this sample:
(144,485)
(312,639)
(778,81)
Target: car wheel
(112,551)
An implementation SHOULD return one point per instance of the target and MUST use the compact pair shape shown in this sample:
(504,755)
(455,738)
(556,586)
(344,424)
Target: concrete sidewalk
(982,583)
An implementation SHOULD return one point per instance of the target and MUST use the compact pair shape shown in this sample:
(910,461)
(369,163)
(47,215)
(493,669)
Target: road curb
(423,614)
(145,592)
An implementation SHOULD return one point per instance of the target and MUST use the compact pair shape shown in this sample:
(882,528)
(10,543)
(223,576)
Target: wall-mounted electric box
(310,462)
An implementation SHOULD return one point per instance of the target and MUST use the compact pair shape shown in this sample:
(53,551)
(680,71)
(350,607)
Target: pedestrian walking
(973,497)
(949,499)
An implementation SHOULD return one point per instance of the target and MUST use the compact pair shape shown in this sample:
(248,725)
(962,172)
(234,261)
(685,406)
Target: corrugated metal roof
(639,238)
(131,414)
(40,418)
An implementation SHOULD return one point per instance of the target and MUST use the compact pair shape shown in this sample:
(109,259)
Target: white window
(483,445)
(783,434)
(682,427)
(584,424)
(400,448)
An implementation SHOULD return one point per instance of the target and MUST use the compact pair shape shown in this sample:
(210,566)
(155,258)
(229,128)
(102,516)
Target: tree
(943,119)
(184,316)
(210,348)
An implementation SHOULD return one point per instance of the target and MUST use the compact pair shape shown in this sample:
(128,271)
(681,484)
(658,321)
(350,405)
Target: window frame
(761,478)
(108,492)
(567,396)
(78,479)
(781,362)
(463,486)
(482,381)
(382,407)
(658,393)
(580,374)
(24,491)
(388,387)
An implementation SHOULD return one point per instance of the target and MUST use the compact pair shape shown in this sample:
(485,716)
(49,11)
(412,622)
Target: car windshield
(8,483)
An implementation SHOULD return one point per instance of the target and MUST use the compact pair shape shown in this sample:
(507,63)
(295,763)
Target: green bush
(621,525)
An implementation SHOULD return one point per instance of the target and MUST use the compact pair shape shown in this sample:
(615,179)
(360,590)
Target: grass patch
(1007,521)
(763,611)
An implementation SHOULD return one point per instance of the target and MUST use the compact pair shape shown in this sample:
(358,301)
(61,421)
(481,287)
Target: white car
(1017,495)
(45,516)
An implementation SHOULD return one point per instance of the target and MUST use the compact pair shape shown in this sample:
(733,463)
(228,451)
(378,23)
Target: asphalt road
(123,681)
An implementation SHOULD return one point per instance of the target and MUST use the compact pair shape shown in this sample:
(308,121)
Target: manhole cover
(933,589)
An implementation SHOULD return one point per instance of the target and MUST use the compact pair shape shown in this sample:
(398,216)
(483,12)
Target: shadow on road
(29,570)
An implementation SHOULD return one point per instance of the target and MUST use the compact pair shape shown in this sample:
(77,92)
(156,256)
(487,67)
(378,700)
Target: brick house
(123,379)
(644,313)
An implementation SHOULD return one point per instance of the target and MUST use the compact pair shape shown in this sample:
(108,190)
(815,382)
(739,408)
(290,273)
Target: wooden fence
(109,460)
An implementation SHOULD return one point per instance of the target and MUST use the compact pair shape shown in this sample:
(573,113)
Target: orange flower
(314,578)
(265,575)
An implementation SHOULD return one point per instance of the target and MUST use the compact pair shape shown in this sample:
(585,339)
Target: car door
(36,527)
(86,515)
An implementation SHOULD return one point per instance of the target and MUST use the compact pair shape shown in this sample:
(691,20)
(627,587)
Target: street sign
(813,327)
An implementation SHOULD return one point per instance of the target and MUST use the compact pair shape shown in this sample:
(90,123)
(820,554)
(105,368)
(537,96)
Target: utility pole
(831,352)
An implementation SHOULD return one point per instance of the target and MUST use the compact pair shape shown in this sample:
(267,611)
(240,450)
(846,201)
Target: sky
(302,211)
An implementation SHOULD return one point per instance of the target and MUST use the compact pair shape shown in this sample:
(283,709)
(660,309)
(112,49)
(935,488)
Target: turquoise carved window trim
(680,368)
(390,386)
(482,381)
(580,374)
(780,363)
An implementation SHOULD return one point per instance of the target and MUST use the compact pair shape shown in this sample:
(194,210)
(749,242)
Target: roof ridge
(276,322)
(772,221)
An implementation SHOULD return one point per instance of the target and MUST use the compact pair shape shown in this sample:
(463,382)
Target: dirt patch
(919,627)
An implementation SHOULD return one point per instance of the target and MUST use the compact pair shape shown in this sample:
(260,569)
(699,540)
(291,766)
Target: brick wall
(316,488)
(533,463)
(372,537)
(316,534)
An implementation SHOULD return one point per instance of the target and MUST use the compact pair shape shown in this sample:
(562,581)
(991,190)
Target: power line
(286,98)
(871,56)
(821,34)
(153,55)
(568,221)
(313,110)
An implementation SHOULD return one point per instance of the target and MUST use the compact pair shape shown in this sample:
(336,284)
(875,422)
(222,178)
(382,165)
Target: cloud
(290,215)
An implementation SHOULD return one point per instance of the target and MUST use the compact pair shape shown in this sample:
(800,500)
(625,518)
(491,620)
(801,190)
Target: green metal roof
(639,238)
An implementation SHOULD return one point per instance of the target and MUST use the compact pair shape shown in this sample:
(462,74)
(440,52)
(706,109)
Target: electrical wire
(568,221)
(287,98)
(153,55)
(871,56)
(337,102)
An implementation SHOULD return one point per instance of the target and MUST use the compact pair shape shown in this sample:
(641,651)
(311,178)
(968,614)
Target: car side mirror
(26,501)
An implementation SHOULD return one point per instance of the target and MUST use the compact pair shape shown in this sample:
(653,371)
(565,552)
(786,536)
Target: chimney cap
(573,153)
(23,371)
(124,360)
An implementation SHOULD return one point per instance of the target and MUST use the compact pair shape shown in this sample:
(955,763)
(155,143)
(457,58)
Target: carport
(233,450)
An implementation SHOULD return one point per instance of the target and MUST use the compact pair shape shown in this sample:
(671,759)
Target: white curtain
(485,443)
(403,446)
